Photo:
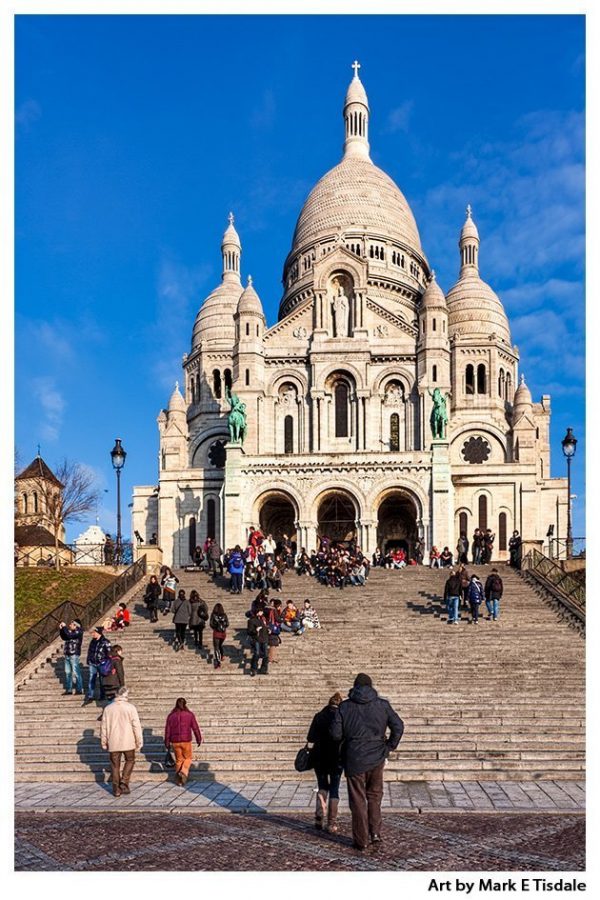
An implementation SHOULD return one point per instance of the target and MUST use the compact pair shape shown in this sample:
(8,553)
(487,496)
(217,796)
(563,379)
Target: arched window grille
(434,374)
(247,377)
(508,386)
(395,432)
(217,384)
(192,536)
(228,380)
(481,379)
(470,379)
(502,531)
(210,518)
(483,512)
(501,387)
(463,523)
(288,434)
(341,409)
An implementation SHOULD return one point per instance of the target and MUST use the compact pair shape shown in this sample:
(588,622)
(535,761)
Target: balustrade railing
(75,555)
(565,586)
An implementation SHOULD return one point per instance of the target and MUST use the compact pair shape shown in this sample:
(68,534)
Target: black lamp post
(117,455)
(569,446)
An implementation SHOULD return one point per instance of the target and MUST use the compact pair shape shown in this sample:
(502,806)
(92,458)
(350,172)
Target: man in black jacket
(361,723)
(452,592)
(98,651)
(258,632)
(72,635)
(493,592)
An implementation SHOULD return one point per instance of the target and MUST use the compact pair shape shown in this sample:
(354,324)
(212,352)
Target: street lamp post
(117,455)
(569,446)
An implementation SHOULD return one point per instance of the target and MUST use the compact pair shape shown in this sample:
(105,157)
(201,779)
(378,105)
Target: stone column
(368,536)
(442,492)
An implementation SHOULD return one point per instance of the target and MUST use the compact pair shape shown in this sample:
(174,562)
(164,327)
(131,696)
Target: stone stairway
(500,701)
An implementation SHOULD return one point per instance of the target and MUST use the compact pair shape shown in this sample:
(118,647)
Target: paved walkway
(288,796)
(274,842)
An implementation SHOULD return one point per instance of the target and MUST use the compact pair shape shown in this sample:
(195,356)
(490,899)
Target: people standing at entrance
(514,549)
(258,632)
(477,547)
(327,764)
(72,635)
(180,725)
(198,617)
(494,589)
(182,612)
(452,594)
(462,549)
(169,584)
(152,597)
(419,547)
(476,597)
(236,570)
(361,723)
(213,555)
(219,624)
(488,545)
(121,735)
(98,651)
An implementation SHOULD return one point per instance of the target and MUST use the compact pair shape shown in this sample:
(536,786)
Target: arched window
(24,503)
(501,387)
(423,326)
(163,460)
(228,380)
(341,409)
(434,325)
(217,384)
(463,523)
(247,328)
(247,377)
(288,434)
(35,501)
(470,379)
(481,379)
(508,386)
(395,432)
(192,536)
(210,518)
(502,531)
(483,512)
(434,374)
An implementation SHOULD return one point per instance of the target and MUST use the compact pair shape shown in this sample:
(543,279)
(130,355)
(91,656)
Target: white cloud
(398,119)
(52,406)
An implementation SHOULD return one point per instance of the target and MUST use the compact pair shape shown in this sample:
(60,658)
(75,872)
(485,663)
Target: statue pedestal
(442,497)
(232,528)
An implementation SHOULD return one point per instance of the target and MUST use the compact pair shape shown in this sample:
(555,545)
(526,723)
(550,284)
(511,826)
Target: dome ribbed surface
(475,310)
(214,323)
(356,194)
(176,402)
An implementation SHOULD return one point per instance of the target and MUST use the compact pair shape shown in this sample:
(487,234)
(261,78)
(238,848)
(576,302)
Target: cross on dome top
(356,66)
(231,218)
(469,210)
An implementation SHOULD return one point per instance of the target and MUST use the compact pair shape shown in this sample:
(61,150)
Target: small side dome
(176,401)
(433,296)
(522,402)
(249,302)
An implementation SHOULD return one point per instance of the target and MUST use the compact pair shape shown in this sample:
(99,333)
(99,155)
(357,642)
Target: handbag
(304,760)
(169,762)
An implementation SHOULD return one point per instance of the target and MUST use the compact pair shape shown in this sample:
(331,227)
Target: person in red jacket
(181,722)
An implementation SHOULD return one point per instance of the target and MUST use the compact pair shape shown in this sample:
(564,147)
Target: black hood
(363,694)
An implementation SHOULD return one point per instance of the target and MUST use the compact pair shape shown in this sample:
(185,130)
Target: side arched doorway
(337,513)
(397,522)
(278,515)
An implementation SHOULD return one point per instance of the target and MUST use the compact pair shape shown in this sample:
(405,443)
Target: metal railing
(558,548)
(44,632)
(566,587)
(76,555)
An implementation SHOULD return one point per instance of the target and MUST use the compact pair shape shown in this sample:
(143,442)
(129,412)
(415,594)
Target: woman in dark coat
(327,762)
(219,624)
(152,597)
(181,616)
(198,617)
(116,679)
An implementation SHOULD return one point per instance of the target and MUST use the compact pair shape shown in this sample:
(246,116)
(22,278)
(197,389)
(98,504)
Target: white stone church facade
(338,391)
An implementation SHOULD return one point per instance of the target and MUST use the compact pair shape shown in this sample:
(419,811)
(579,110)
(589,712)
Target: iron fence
(558,548)
(75,555)
(44,632)
(567,587)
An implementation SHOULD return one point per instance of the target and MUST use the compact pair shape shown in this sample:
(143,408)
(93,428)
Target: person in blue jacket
(72,635)
(236,570)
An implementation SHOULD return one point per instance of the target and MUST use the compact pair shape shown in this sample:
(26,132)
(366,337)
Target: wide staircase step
(498,701)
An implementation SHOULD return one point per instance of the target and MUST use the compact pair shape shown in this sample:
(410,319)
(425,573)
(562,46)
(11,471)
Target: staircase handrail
(567,589)
(45,631)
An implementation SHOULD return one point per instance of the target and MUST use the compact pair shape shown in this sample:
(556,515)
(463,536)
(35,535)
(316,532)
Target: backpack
(107,667)
(496,584)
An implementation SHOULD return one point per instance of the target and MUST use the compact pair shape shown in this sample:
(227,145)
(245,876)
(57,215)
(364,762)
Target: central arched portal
(336,517)
(278,515)
(397,523)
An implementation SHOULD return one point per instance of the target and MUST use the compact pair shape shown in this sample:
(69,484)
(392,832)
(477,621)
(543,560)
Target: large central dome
(356,195)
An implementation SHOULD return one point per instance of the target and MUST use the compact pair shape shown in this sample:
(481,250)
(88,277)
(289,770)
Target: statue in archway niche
(439,414)
(237,419)
(341,309)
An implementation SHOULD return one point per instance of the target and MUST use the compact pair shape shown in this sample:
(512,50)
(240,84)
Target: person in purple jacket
(181,722)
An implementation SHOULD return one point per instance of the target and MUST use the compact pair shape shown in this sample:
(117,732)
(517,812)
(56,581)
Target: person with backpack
(180,725)
(327,764)
(236,568)
(258,632)
(219,624)
(98,651)
(493,592)
(476,596)
(198,617)
(452,594)
(72,635)
(169,584)
(182,612)
(151,597)
(112,674)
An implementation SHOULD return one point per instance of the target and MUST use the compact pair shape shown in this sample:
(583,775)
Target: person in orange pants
(180,725)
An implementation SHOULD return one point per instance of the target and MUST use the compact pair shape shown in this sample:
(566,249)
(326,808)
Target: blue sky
(135,136)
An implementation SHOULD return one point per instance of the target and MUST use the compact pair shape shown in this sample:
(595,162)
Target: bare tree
(69,498)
